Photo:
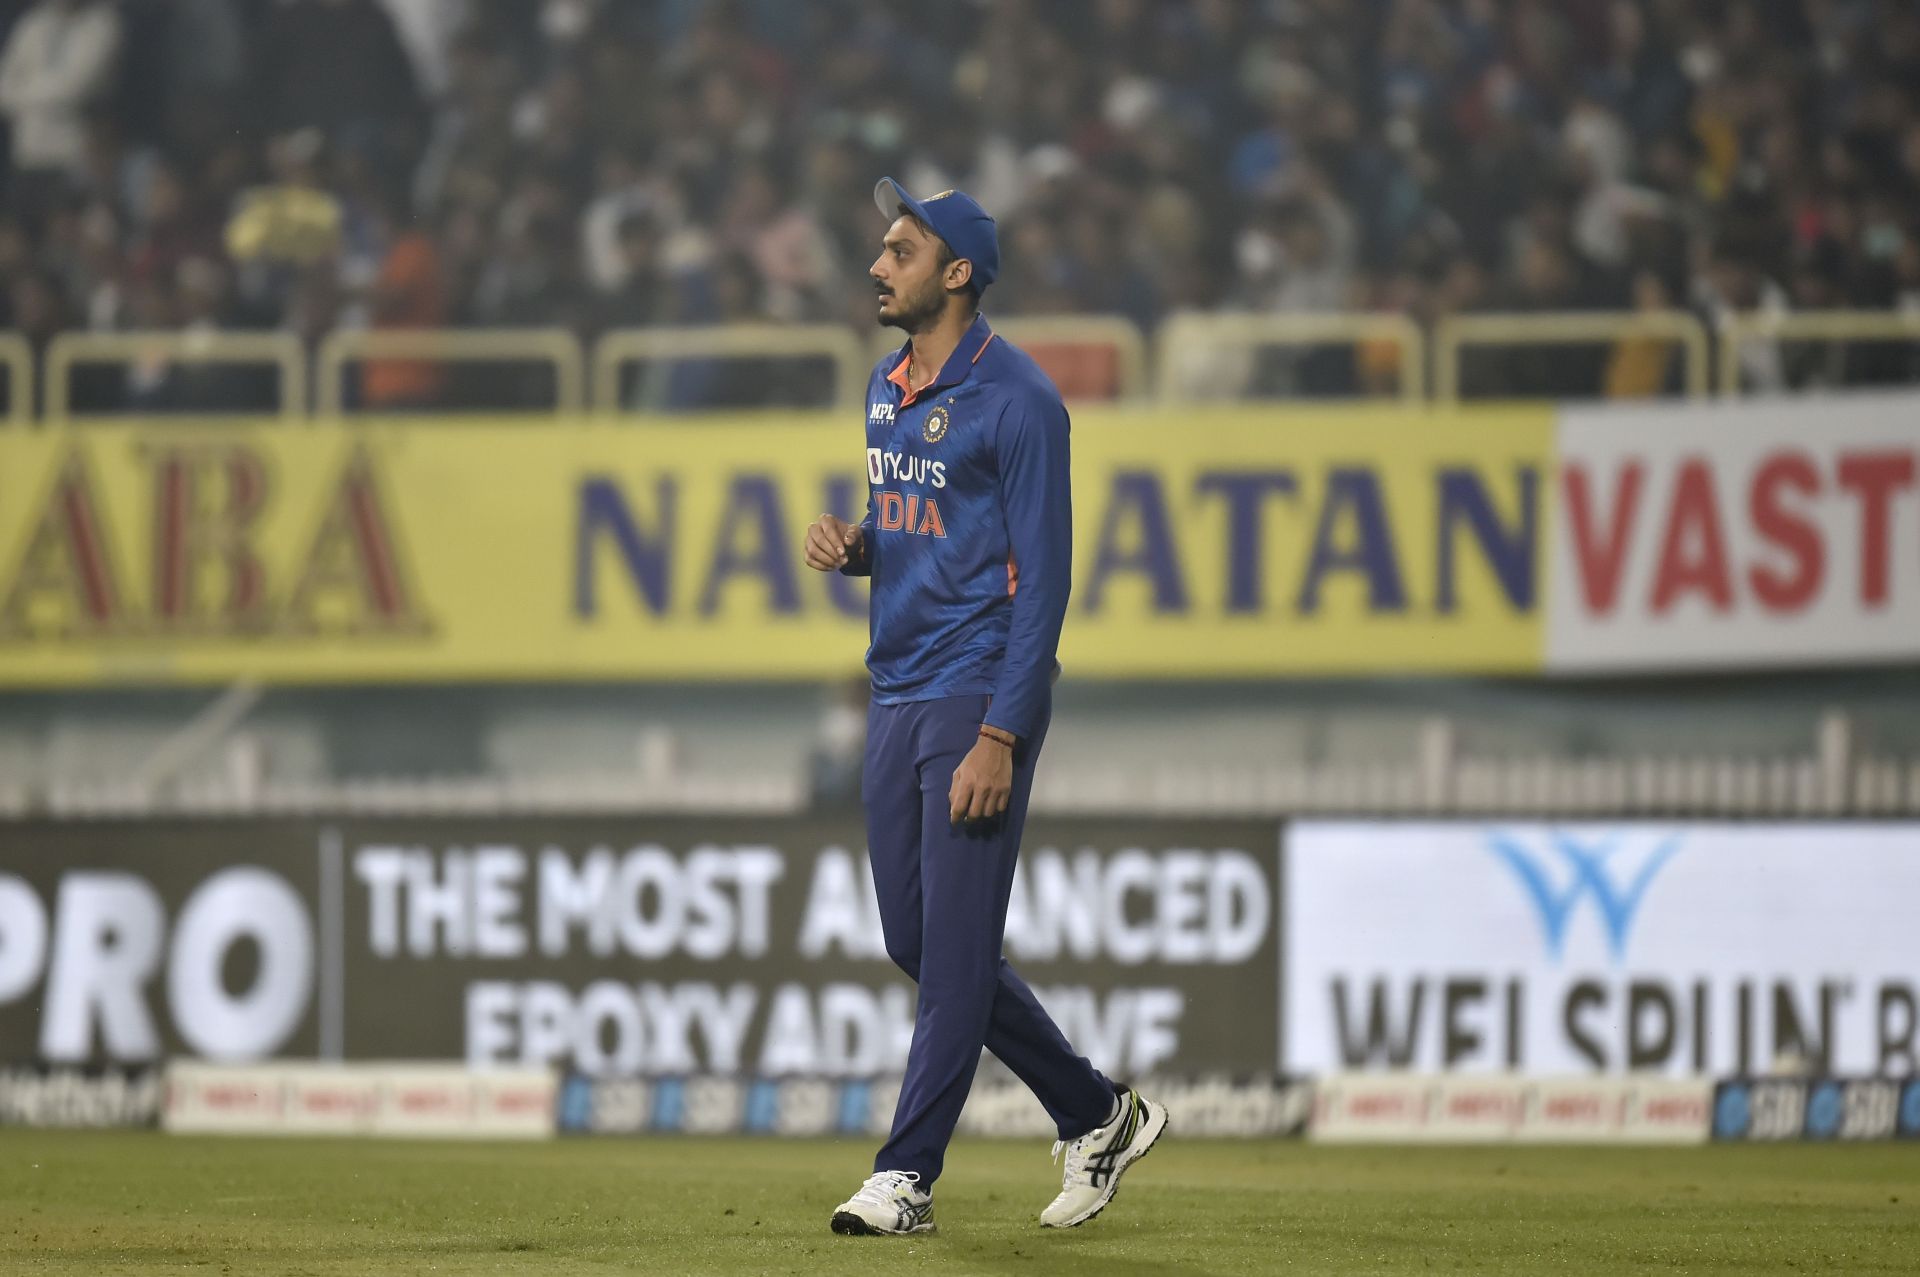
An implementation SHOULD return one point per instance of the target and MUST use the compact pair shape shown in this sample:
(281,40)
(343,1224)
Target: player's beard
(914,311)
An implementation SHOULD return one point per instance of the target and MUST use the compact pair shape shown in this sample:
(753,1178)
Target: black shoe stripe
(1115,1192)
(1102,1165)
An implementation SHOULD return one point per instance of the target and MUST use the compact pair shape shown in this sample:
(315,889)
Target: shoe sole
(848,1224)
(1153,1134)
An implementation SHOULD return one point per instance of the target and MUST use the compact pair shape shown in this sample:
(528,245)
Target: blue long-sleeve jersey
(969,531)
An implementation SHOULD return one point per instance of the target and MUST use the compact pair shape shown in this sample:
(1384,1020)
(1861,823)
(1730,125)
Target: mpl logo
(1612,870)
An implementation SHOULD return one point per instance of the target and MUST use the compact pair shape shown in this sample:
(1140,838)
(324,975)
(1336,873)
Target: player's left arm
(1036,496)
(1036,493)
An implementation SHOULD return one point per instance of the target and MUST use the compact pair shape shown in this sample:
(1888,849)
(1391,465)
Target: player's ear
(959,274)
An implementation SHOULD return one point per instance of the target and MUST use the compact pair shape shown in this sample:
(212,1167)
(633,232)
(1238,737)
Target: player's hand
(830,543)
(983,783)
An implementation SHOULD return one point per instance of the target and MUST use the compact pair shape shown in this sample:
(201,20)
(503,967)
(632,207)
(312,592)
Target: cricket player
(968,541)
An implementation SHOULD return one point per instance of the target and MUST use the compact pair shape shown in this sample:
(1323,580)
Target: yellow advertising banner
(1208,543)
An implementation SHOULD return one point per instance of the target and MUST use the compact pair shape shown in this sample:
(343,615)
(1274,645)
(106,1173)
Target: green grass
(75,1203)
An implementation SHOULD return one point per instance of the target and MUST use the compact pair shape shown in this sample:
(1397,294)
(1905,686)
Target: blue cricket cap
(957,218)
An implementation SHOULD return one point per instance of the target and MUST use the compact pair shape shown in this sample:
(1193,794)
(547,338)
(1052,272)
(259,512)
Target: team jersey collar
(973,344)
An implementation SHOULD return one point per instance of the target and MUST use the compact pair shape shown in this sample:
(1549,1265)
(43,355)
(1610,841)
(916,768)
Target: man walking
(968,540)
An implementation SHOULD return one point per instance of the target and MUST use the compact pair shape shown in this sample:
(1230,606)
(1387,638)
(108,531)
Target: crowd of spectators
(593,164)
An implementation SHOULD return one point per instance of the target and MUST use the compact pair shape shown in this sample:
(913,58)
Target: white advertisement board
(1744,533)
(1403,1108)
(1681,949)
(407,1099)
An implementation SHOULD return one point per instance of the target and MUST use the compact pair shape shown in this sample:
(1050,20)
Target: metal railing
(1036,333)
(553,346)
(1454,334)
(1120,335)
(1191,339)
(1811,325)
(831,342)
(17,355)
(1186,348)
(281,351)
(1434,776)
(1430,774)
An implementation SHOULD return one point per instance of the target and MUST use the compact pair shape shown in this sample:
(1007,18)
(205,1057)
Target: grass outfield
(144,1202)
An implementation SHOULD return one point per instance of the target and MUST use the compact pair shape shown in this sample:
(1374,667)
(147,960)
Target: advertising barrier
(1229,541)
(748,952)
(1780,1109)
(611,946)
(402,1100)
(39,1095)
(998,1105)
(1759,532)
(1682,949)
(1405,1108)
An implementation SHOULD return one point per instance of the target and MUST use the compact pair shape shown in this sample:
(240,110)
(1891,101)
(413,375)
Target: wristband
(999,737)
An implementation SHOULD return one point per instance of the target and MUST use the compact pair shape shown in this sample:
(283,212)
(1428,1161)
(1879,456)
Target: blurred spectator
(1642,366)
(634,285)
(36,306)
(409,292)
(59,60)
(196,300)
(293,220)
(169,224)
(427,28)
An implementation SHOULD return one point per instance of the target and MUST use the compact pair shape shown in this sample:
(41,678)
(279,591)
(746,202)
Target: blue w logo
(1617,902)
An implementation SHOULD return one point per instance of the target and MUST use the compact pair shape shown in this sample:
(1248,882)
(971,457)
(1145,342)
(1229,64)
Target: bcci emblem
(935,427)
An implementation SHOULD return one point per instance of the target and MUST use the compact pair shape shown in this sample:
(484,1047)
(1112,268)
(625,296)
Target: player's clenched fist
(831,542)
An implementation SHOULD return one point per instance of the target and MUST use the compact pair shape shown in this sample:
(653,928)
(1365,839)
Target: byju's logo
(1614,871)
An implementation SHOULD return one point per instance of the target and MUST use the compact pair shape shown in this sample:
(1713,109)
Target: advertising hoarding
(1748,533)
(611,946)
(1212,542)
(1686,949)
(1404,1108)
(1823,1108)
(1209,543)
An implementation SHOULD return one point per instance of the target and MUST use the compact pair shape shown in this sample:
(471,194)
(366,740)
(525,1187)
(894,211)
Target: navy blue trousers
(943,891)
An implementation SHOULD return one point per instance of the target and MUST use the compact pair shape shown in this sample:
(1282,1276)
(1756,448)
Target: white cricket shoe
(1096,1159)
(889,1203)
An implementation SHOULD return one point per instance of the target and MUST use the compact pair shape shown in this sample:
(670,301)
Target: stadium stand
(316,165)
